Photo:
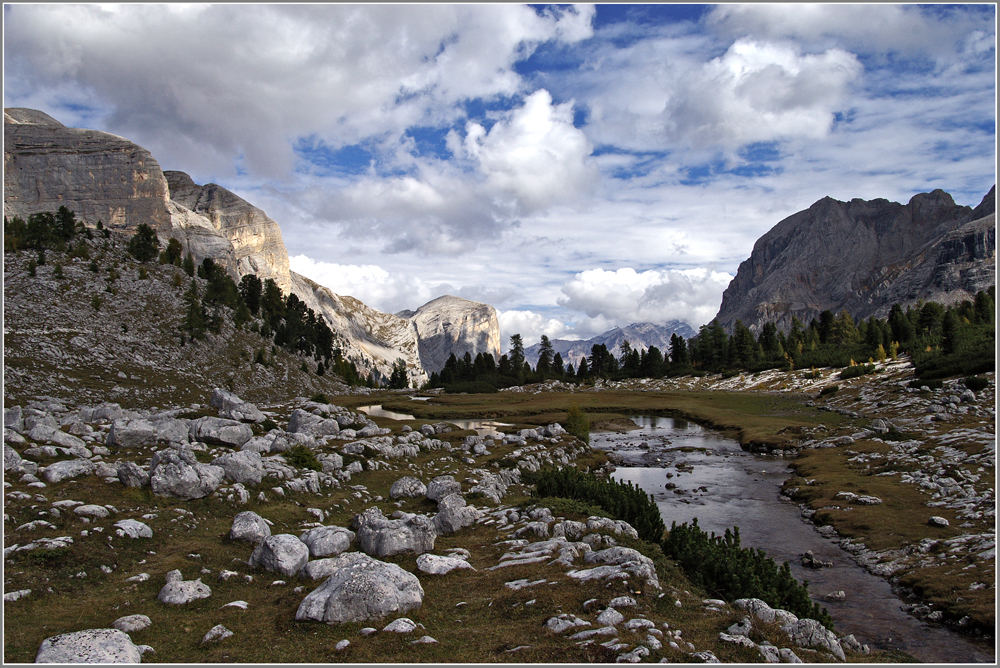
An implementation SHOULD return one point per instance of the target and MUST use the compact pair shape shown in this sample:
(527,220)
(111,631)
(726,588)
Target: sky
(579,167)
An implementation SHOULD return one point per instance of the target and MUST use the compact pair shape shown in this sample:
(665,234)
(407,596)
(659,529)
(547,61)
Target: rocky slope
(640,335)
(104,177)
(449,325)
(864,256)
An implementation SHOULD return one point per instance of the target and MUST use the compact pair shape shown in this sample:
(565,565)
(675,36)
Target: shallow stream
(722,485)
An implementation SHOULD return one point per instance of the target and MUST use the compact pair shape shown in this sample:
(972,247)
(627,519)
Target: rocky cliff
(449,325)
(864,256)
(640,335)
(101,176)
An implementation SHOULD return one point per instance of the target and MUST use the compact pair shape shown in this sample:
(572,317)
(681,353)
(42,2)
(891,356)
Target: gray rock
(11,459)
(13,418)
(938,521)
(304,422)
(327,541)
(453,514)
(132,623)
(382,537)
(176,472)
(407,487)
(704,657)
(810,633)
(142,432)
(610,617)
(89,646)
(318,569)
(133,529)
(564,622)
(91,510)
(70,468)
(232,407)
(788,656)
(442,486)
(216,634)
(220,431)
(361,588)
(182,592)
(283,553)
(245,467)
(250,527)
(401,625)
(131,474)
(438,565)
(631,561)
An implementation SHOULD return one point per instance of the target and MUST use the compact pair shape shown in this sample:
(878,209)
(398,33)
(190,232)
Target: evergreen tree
(172,253)
(546,355)
(398,380)
(195,320)
(558,368)
(251,290)
(188,265)
(144,245)
(516,357)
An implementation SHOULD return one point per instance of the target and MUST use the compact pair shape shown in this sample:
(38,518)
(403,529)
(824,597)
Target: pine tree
(143,246)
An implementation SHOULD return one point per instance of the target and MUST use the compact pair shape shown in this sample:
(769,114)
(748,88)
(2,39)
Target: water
(481,427)
(720,484)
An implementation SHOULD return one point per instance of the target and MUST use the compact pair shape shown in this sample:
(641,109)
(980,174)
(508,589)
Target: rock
(407,487)
(442,486)
(131,474)
(70,468)
(361,588)
(177,473)
(318,569)
(91,510)
(216,633)
(142,432)
(132,623)
(11,596)
(301,421)
(839,595)
(11,459)
(132,529)
(453,514)
(232,407)
(282,553)
(220,431)
(610,617)
(424,640)
(401,625)
(438,565)
(937,521)
(810,633)
(382,537)
(249,526)
(452,325)
(89,646)
(182,592)
(741,628)
(704,657)
(788,656)
(328,540)
(564,622)
(809,560)
(245,467)
(631,561)
(738,640)
(342,645)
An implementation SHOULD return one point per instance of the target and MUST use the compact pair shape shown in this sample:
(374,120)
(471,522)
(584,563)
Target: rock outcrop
(452,325)
(862,257)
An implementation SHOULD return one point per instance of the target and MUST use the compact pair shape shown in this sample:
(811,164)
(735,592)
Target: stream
(720,484)
(481,427)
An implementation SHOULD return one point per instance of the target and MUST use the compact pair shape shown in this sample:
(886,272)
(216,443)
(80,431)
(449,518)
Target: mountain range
(640,335)
(103,177)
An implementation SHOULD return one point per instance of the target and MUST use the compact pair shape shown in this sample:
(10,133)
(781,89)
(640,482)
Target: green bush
(302,457)
(930,384)
(976,383)
(623,500)
(829,389)
(724,568)
(857,370)
(320,398)
(578,424)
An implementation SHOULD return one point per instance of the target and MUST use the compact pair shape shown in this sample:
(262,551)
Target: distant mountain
(449,325)
(863,257)
(640,335)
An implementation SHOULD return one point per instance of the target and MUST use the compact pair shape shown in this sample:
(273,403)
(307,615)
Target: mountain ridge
(640,335)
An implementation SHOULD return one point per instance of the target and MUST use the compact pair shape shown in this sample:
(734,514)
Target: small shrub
(917,383)
(94,266)
(976,383)
(829,389)
(578,424)
(57,271)
(268,424)
(302,457)
(143,274)
(32,268)
(95,301)
(320,398)
(80,251)
(857,370)
(811,375)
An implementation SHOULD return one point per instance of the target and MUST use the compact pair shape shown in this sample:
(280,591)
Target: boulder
(407,487)
(141,432)
(70,468)
(934,521)
(176,472)
(244,466)
(249,526)
(304,422)
(182,592)
(216,634)
(453,514)
(283,553)
(132,623)
(810,633)
(631,561)
(361,588)
(564,622)
(327,541)
(132,529)
(382,537)
(437,565)
(220,431)
(91,510)
(89,646)
(11,459)
(442,486)
(131,474)
(232,407)
(13,418)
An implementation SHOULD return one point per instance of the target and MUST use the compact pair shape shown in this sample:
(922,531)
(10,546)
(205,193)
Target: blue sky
(577,166)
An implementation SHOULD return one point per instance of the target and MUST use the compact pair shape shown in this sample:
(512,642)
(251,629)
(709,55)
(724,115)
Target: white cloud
(626,295)
(530,325)
(370,283)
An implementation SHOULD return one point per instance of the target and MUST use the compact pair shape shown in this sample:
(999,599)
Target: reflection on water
(481,427)
(693,472)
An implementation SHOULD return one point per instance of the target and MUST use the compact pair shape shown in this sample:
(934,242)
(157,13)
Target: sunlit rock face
(863,257)
(452,325)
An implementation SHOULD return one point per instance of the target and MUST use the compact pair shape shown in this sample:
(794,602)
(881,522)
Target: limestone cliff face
(98,175)
(863,256)
(449,325)
(256,239)
(373,340)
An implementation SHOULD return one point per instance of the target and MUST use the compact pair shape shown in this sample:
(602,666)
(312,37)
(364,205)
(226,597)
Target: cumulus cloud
(530,325)
(626,295)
